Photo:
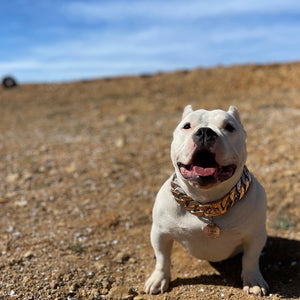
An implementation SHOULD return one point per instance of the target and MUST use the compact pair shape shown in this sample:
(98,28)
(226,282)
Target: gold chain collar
(216,208)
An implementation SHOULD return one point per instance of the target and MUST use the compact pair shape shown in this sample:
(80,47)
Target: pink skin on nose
(191,147)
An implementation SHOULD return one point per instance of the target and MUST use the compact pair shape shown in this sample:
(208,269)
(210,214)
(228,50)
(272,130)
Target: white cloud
(18,65)
(175,9)
(148,42)
(274,33)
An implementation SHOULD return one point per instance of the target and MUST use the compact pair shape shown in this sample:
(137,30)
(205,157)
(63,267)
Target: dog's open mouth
(204,170)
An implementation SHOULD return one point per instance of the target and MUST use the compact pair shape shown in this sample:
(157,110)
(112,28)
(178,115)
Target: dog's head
(208,147)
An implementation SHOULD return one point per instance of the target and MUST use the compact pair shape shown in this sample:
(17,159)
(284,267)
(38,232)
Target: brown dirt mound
(81,164)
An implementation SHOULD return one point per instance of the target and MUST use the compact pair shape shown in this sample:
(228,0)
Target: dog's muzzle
(204,170)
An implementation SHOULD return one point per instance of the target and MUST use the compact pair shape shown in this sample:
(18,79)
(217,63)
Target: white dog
(212,204)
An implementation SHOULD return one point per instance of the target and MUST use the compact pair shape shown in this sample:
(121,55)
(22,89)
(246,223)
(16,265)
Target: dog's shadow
(279,263)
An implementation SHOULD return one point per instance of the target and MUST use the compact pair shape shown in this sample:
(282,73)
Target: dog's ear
(188,109)
(234,112)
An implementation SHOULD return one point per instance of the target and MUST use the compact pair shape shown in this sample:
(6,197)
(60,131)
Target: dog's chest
(189,231)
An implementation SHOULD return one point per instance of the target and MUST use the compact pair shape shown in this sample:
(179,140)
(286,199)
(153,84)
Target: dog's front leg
(253,281)
(160,278)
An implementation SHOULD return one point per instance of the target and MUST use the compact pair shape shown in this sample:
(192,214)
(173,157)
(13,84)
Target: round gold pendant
(212,231)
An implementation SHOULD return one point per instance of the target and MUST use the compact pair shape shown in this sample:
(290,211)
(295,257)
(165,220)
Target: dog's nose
(205,137)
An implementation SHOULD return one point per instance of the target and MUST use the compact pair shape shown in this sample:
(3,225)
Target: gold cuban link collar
(216,208)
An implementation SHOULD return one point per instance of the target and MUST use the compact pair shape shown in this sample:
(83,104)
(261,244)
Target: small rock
(11,178)
(104,291)
(27,175)
(11,293)
(42,169)
(10,194)
(106,284)
(53,172)
(53,284)
(122,118)
(99,266)
(132,260)
(28,255)
(289,172)
(3,200)
(44,148)
(21,203)
(95,293)
(72,292)
(83,293)
(122,293)
(105,174)
(120,142)
(121,257)
(132,291)
(25,279)
(71,168)
(74,286)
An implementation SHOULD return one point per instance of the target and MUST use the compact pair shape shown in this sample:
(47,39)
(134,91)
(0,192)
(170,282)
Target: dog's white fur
(242,226)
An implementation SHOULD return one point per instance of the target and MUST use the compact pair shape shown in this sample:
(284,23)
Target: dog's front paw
(157,283)
(255,284)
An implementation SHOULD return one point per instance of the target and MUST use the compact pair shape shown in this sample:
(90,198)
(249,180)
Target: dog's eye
(187,126)
(229,127)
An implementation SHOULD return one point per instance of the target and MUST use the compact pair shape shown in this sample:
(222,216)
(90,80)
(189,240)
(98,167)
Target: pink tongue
(203,171)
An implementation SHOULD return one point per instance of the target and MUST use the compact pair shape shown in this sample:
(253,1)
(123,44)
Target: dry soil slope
(81,163)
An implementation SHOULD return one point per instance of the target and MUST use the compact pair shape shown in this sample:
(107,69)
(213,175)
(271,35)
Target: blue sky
(63,40)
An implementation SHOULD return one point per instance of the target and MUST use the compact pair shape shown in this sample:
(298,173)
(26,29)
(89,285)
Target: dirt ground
(81,164)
